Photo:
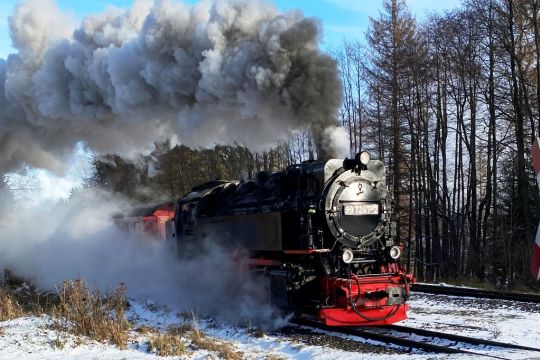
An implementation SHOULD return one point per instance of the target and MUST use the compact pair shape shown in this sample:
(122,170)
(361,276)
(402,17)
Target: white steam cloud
(337,139)
(76,238)
(210,73)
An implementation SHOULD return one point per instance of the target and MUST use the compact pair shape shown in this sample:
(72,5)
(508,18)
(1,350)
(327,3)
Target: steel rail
(459,338)
(477,293)
(413,344)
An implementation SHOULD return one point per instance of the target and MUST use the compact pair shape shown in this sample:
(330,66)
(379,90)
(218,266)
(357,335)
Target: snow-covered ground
(32,337)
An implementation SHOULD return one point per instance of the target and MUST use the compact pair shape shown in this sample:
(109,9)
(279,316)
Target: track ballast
(430,342)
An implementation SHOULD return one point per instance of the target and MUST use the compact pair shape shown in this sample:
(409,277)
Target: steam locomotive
(321,232)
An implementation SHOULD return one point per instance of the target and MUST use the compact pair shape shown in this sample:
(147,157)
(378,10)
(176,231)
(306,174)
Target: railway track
(425,340)
(477,293)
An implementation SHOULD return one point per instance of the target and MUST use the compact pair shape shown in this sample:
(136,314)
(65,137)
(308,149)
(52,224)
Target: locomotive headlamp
(365,157)
(348,256)
(395,252)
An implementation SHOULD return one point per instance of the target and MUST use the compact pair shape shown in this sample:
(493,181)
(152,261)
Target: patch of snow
(33,337)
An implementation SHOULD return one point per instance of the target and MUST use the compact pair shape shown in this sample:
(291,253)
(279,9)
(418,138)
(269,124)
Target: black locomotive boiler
(321,231)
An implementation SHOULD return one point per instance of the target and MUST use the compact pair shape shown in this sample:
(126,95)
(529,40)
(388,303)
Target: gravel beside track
(409,338)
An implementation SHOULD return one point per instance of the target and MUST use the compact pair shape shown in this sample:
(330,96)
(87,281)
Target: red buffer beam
(535,261)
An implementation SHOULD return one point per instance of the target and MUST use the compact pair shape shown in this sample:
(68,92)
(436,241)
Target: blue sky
(342,19)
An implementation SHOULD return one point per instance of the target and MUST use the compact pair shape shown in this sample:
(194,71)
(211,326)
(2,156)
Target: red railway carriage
(150,220)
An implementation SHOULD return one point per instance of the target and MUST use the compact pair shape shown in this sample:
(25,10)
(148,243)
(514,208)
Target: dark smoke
(210,73)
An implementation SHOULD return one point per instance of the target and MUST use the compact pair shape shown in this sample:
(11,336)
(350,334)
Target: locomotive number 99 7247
(361,209)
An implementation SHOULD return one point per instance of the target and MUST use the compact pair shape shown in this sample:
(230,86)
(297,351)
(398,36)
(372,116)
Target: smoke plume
(210,73)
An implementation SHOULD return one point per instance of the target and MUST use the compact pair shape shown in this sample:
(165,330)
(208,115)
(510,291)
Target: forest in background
(450,104)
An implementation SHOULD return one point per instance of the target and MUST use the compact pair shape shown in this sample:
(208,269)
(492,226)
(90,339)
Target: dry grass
(275,357)
(181,329)
(145,329)
(9,306)
(167,344)
(224,349)
(171,342)
(87,312)
(90,313)
(75,308)
(21,298)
